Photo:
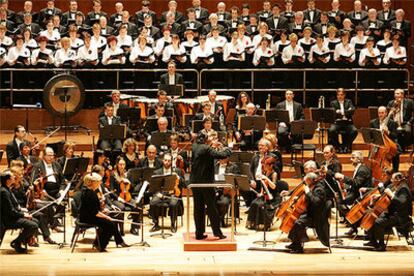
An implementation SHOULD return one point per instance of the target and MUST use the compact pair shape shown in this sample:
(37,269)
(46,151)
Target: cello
(358,210)
(381,157)
(371,215)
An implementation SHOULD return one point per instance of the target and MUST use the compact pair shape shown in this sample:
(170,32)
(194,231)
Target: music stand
(75,166)
(239,182)
(162,184)
(161,140)
(197,125)
(151,124)
(281,116)
(172,89)
(113,132)
(130,116)
(241,156)
(323,116)
(57,148)
(302,128)
(372,136)
(252,123)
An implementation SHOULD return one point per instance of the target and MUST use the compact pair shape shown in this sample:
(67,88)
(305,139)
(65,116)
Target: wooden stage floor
(166,257)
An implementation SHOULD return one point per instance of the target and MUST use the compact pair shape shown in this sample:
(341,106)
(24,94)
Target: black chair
(405,231)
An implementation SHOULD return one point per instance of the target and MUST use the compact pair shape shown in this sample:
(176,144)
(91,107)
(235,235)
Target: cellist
(398,213)
(316,215)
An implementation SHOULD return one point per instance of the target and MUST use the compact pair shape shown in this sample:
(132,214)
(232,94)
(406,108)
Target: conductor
(204,152)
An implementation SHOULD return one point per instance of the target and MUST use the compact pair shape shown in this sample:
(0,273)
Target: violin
(125,186)
(177,190)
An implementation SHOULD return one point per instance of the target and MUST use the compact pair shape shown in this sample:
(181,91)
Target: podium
(211,243)
(172,89)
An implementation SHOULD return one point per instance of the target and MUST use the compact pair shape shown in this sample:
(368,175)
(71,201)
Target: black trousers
(106,230)
(29,228)
(43,224)
(203,197)
(298,233)
(382,223)
(158,207)
(405,138)
(349,133)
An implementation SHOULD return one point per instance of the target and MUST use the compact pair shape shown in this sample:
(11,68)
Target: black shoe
(173,228)
(297,250)
(123,244)
(155,228)
(49,240)
(371,243)
(220,236)
(202,237)
(291,246)
(351,232)
(134,231)
(380,248)
(18,247)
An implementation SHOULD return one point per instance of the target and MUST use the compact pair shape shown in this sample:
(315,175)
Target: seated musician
(27,159)
(151,160)
(21,191)
(11,217)
(172,199)
(262,209)
(130,153)
(172,77)
(362,177)
(248,138)
(390,127)
(223,199)
(162,124)
(242,100)
(206,112)
(216,107)
(113,55)
(344,110)
(159,109)
(119,183)
(330,166)
(403,117)
(116,103)
(274,148)
(12,147)
(107,120)
(163,99)
(295,113)
(398,213)
(68,153)
(315,216)
(208,127)
(90,212)
(179,155)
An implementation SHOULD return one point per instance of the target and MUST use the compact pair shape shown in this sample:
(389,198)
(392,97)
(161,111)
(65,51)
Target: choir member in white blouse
(263,32)
(88,53)
(144,32)
(189,42)
(397,54)
(174,52)
(142,56)
(245,40)
(53,35)
(113,55)
(163,42)
(18,55)
(319,53)
(75,41)
(385,42)
(332,40)
(28,41)
(42,57)
(216,41)
(279,45)
(307,41)
(263,55)
(360,39)
(293,54)
(202,55)
(97,40)
(124,40)
(3,55)
(344,53)
(65,56)
(233,53)
(5,41)
(370,56)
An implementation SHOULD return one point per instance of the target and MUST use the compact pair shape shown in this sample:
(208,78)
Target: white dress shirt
(160,45)
(289,52)
(108,52)
(198,52)
(392,53)
(315,49)
(35,54)
(170,50)
(50,173)
(233,48)
(15,52)
(259,53)
(347,50)
(87,54)
(136,52)
(289,108)
(366,53)
(216,42)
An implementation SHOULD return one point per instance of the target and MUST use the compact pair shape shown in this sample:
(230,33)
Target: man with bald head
(358,14)
(150,160)
(27,9)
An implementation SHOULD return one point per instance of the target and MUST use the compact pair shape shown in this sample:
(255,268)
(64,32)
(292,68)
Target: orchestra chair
(80,227)
(405,231)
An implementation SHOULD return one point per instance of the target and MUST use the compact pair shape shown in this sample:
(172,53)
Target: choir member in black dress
(203,155)
(90,212)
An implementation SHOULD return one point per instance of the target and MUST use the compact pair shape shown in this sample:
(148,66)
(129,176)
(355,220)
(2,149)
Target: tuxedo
(316,16)
(34,28)
(381,16)
(408,109)
(46,14)
(178,79)
(203,16)
(378,25)
(363,15)
(404,31)
(154,32)
(32,160)
(52,188)
(175,28)
(207,29)
(12,151)
(121,106)
(143,163)
(140,16)
(197,28)
(114,144)
(319,28)
(68,18)
(284,131)
(247,142)
(392,127)
(282,23)
(20,17)
(344,126)
(179,17)
(91,17)
(362,178)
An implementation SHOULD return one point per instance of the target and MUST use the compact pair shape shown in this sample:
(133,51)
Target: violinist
(12,148)
(262,209)
(130,153)
(68,153)
(208,127)
(316,215)
(90,212)
(404,109)
(151,160)
(25,157)
(397,215)
(248,138)
(123,189)
(362,177)
(159,199)
(13,218)
(216,107)
(179,156)
(206,112)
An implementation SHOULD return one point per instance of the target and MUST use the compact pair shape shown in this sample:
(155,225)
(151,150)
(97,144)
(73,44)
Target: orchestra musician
(11,217)
(115,102)
(403,117)
(27,159)
(295,113)
(162,124)
(158,200)
(206,112)
(344,110)
(130,153)
(151,160)
(68,153)
(90,212)
(362,177)
(398,213)
(248,138)
(331,165)
(179,155)
(12,147)
(316,215)
(110,119)
(203,154)
(171,77)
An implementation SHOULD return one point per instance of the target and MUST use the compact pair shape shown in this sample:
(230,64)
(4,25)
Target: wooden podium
(211,243)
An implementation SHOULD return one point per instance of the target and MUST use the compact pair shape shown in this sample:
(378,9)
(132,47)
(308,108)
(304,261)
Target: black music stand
(372,136)
(271,115)
(162,184)
(161,140)
(172,89)
(113,132)
(302,128)
(75,166)
(197,125)
(254,123)
(241,156)
(323,116)
(57,148)
(240,182)
(151,124)
(130,116)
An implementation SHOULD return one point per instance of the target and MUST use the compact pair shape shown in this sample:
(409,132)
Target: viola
(125,186)
(177,190)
